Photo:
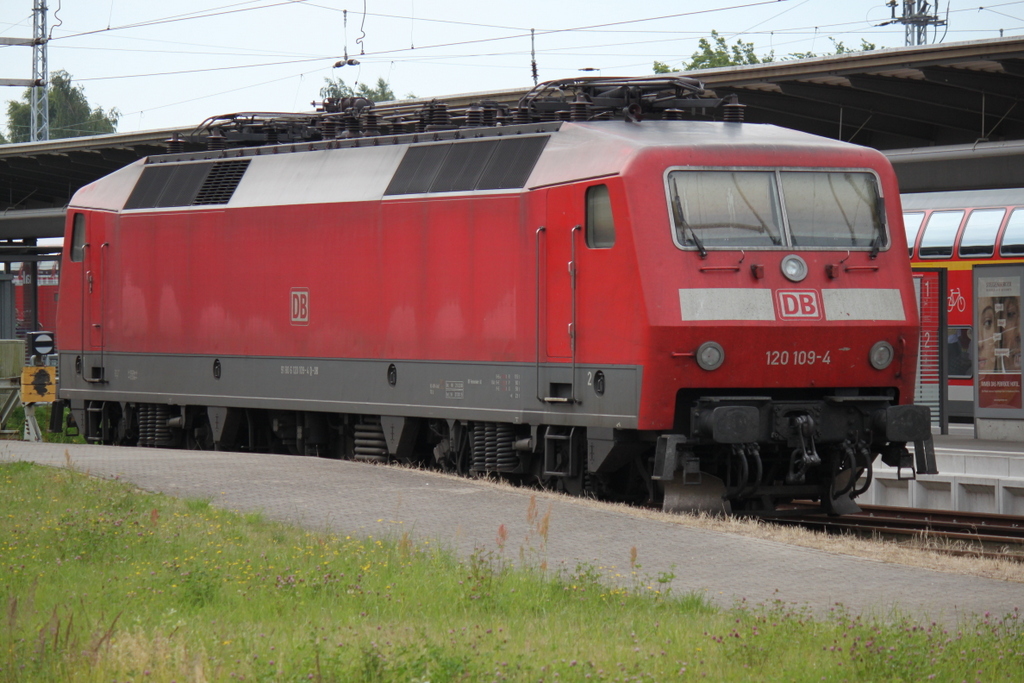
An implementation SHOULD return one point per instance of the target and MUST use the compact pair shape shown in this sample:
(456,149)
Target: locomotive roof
(368,169)
(963,199)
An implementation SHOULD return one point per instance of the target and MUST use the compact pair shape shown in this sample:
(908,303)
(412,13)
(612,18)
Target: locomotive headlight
(710,355)
(881,355)
(794,268)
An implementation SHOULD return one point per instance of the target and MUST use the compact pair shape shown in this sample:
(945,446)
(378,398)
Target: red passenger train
(956,231)
(583,292)
(48,279)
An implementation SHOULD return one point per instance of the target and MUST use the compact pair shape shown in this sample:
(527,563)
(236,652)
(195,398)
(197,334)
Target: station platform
(464,515)
(974,476)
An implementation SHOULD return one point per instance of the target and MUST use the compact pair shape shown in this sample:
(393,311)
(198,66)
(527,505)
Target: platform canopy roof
(960,93)
(949,116)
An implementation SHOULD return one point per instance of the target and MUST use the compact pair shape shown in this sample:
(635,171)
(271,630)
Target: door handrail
(540,230)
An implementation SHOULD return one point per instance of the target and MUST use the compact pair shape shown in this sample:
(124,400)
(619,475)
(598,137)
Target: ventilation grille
(464,166)
(221,182)
(171,185)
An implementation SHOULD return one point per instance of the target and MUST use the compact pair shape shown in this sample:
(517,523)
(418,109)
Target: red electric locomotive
(582,291)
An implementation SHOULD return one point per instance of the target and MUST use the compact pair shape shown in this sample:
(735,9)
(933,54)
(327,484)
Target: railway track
(968,534)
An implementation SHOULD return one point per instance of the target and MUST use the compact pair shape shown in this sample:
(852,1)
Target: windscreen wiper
(876,244)
(678,207)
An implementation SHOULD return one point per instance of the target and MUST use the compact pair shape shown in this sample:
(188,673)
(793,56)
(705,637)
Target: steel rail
(985,535)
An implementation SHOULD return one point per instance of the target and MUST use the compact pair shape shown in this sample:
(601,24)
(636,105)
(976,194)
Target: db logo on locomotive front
(798,304)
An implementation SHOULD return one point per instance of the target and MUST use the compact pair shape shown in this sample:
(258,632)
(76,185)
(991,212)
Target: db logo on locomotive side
(798,304)
(300,306)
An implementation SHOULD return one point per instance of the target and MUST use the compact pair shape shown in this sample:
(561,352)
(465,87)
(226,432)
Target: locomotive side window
(912,222)
(839,210)
(939,233)
(78,238)
(600,229)
(979,238)
(1013,236)
(726,208)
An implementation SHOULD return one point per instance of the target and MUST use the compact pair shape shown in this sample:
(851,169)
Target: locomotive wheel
(839,503)
(463,455)
(200,436)
(126,433)
(574,486)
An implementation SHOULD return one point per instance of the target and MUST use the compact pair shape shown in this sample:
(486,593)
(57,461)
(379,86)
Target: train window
(1013,236)
(912,223)
(833,209)
(958,351)
(939,234)
(979,238)
(600,224)
(78,238)
(726,208)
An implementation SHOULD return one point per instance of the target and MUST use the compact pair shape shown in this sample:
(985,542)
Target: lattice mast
(40,123)
(916,19)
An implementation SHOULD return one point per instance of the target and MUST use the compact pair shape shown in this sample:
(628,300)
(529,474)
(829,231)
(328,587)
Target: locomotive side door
(94,253)
(563,223)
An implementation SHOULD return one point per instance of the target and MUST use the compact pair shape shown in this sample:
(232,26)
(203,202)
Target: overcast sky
(166,64)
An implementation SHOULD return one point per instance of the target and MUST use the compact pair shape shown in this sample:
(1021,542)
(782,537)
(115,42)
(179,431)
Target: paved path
(351,497)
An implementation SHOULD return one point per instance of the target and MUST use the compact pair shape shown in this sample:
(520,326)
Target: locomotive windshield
(774,208)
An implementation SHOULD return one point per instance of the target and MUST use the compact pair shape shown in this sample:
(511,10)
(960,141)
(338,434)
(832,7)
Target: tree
(721,54)
(70,113)
(379,93)
(717,54)
(839,49)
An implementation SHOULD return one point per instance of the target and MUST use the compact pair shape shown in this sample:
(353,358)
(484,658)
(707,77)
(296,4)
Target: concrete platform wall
(960,492)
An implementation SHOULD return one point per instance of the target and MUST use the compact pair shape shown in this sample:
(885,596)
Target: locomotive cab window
(78,238)
(979,238)
(600,223)
(776,208)
(726,208)
(912,223)
(1013,236)
(837,210)
(939,234)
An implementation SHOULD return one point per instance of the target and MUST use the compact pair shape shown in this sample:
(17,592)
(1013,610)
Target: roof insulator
(732,112)
(215,141)
(175,145)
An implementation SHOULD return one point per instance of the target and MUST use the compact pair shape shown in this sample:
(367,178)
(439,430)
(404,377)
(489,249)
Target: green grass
(101,582)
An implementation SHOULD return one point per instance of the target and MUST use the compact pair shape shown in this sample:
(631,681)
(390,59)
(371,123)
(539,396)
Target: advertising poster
(997,320)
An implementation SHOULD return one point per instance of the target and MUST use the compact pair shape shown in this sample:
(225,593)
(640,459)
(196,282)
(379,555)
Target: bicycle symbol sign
(956,301)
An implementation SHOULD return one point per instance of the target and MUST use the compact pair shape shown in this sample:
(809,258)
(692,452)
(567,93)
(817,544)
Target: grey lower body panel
(960,409)
(493,392)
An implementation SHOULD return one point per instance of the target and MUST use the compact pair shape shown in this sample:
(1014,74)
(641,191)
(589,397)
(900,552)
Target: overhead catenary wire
(188,16)
(212,13)
(429,54)
(194,15)
(225,10)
